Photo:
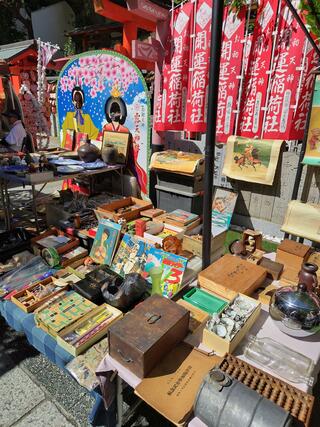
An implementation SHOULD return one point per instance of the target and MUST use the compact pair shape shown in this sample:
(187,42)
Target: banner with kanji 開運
(171,108)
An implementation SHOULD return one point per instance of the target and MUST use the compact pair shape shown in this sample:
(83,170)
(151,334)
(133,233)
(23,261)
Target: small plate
(70,169)
(66,162)
(95,165)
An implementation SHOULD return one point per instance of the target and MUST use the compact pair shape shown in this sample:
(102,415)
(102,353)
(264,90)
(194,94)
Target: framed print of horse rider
(252,160)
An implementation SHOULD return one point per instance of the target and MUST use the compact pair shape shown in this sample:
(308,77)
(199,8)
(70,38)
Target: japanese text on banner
(304,102)
(196,113)
(171,108)
(256,81)
(230,69)
(286,77)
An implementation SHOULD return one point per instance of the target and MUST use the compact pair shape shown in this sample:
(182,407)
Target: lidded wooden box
(147,333)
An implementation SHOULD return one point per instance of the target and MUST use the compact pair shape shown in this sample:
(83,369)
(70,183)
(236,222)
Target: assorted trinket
(231,320)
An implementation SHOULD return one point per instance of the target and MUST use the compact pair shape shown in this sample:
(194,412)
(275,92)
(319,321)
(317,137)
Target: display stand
(6,179)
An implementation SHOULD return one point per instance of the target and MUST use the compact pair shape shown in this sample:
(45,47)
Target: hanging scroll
(256,80)
(312,155)
(252,160)
(171,107)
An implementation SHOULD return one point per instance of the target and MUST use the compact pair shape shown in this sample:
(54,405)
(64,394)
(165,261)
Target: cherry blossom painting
(104,90)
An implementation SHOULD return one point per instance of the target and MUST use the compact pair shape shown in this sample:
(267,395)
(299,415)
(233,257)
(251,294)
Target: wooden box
(193,244)
(292,255)
(37,247)
(61,311)
(147,333)
(232,274)
(222,346)
(110,210)
(27,298)
(89,329)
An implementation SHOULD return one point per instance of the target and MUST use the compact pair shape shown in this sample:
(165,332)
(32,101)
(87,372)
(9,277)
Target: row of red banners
(276,70)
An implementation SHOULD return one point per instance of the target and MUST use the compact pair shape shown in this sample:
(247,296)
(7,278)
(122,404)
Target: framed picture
(81,138)
(69,139)
(120,141)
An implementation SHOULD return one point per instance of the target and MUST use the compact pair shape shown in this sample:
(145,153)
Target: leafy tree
(311,11)
(20,10)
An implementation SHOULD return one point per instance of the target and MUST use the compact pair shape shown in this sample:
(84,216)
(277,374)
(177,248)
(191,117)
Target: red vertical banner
(197,103)
(304,102)
(285,79)
(171,108)
(230,70)
(257,77)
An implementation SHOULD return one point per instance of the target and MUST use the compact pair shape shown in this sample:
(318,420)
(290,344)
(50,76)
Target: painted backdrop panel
(104,90)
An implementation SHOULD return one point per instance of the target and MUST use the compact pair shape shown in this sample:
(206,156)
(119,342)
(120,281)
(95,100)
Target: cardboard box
(95,332)
(292,255)
(172,386)
(222,346)
(193,244)
(109,210)
(231,274)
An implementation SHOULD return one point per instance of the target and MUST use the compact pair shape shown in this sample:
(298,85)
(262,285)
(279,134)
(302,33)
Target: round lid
(299,298)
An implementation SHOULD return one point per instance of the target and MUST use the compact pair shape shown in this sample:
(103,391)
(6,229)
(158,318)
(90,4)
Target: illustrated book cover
(173,268)
(131,256)
(105,242)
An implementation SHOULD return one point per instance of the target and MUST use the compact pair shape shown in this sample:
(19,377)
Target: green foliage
(69,47)
(235,5)
(311,11)
(8,33)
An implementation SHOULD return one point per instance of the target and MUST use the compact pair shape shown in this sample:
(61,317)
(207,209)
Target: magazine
(105,242)
(173,268)
(131,256)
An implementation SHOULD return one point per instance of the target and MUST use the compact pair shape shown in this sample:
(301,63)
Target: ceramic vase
(88,152)
(156,274)
(109,154)
(308,276)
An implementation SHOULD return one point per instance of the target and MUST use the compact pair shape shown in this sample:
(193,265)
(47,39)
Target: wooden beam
(120,14)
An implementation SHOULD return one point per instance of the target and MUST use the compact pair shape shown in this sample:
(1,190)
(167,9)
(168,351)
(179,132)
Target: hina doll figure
(78,120)
(116,113)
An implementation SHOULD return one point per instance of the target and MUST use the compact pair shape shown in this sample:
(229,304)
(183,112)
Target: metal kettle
(296,311)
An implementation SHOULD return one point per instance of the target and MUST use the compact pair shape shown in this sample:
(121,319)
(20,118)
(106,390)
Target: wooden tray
(27,295)
(72,243)
(109,210)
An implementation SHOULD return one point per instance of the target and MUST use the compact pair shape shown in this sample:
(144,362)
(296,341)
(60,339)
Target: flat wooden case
(76,350)
(147,333)
(232,274)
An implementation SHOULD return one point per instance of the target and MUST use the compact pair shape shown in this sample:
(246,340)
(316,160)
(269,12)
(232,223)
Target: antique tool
(222,400)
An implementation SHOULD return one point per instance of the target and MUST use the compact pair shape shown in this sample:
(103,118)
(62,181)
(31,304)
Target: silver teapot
(296,311)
